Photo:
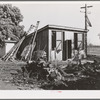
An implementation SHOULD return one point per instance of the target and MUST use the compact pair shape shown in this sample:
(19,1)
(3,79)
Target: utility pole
(84,36)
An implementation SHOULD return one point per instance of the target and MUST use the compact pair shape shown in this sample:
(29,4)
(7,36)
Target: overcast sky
(61,13)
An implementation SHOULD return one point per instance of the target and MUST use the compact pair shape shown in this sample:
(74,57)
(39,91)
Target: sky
(63,13)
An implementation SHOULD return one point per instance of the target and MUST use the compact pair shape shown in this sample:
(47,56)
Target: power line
(87,22)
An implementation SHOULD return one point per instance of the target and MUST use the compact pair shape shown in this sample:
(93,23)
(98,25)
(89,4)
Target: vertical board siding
(42,41)
(23,45)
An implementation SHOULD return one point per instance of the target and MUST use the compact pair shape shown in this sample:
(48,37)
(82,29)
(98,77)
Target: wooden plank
(33,41)
(49,44)
(63,46)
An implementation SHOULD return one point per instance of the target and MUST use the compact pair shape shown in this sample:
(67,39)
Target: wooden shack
(57,41)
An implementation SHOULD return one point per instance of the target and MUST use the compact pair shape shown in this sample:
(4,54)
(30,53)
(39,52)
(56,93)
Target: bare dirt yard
(11,78)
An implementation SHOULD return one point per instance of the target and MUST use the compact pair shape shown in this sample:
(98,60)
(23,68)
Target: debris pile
(62,74)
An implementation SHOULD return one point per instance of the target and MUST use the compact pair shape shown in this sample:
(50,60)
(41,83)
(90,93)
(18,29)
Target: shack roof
(63,28)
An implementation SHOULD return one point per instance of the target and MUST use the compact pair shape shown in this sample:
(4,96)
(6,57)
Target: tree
(90,44)
(10,18)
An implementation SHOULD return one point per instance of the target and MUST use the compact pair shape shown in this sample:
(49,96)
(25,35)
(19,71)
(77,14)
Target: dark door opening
(75,41)
(67,49)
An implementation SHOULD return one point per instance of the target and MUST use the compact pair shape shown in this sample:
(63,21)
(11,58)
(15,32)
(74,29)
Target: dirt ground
(11,78)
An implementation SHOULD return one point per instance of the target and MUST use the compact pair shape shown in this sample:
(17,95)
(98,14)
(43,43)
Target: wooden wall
(23,45)
(42,41)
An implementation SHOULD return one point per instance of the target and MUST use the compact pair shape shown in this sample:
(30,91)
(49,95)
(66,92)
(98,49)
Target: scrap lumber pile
(61,74)
(27,53)
(28,50)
